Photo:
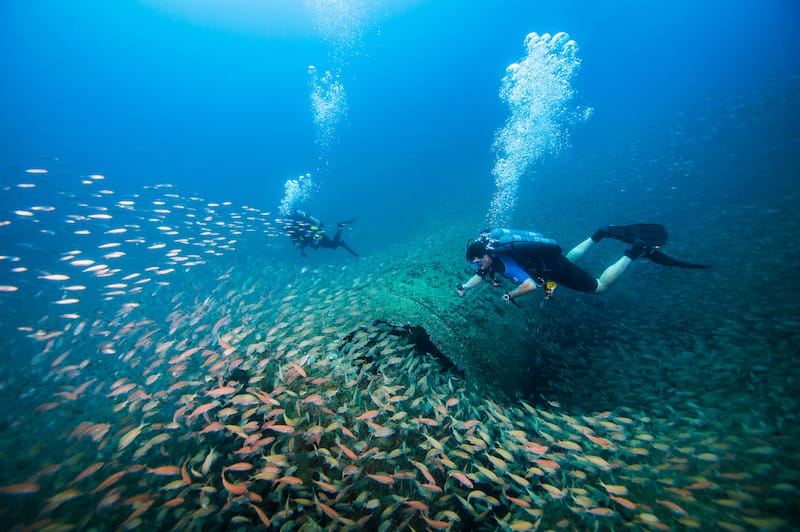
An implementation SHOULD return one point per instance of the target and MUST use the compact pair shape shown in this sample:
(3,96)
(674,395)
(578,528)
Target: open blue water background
(216,101)
(694,120)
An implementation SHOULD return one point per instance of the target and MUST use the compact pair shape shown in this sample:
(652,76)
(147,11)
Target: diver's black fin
(343,244)
(347,222)
(653,235)
(665,260)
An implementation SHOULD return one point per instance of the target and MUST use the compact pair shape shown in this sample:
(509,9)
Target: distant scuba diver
(305,231)
(532,260)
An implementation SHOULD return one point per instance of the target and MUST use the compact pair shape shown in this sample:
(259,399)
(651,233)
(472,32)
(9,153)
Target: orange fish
(67,395)
(369,414)
(679,491)
(299,370)
(176,501)
(183,356)
(88,471)
(431,487)
(122,389)
(330,488)
(547,464)
(128,438)
(44,407)
(425,472)
(555,492)
(673,507)
(290,480)
(59,359)
(701,485)
(239,431)
(59,498)
(117,383)
(461,477)
(216,368)
(185,473)
(314,399)
(165,470)
(239,466)
(518,502)
(219,323)
(382,479)
(601,511)
(214,426)
(286,429)
(350,454)
(535,448)
(350,470)
(419,505)
(439,525)
(602,442)
(615,489)
(221,391)
(178,385)
(266,399)
(109,481)
(23,488)
(261,515)
(622,501)
(333,514)
(210,359)
(569,444)
(48,470)
(225,345)
(202,409)
(233,488)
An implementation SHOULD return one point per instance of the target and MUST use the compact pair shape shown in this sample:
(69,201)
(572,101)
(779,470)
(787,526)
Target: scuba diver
(532,260)
(305,231)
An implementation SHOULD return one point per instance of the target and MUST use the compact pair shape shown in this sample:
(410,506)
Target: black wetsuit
(520,255)
(305,230)
(542,267)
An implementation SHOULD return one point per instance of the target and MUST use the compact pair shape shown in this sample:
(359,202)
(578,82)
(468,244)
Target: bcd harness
(527,248)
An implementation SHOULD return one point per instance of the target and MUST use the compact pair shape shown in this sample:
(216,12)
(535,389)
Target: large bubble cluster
(538,92)
(328,104)
(341,23)
(297,191)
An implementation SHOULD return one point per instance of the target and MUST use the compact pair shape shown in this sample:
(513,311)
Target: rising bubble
(538,92)
(328,105)
(296,191)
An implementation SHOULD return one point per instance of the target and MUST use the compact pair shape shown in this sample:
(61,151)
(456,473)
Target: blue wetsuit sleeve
(513,270)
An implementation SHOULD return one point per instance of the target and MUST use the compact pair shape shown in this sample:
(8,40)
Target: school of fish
(156,380)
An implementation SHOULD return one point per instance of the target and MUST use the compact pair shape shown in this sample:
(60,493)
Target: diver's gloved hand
(638,249)
(460,289)
(600,234)
(494,282)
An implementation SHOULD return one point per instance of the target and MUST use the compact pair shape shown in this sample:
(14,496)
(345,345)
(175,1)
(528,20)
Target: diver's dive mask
(475,248)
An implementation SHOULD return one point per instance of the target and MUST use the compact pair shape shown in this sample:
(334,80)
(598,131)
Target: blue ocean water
(681,113)
(201,95)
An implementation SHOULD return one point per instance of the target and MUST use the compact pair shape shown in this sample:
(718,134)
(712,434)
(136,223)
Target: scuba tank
(518,242)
